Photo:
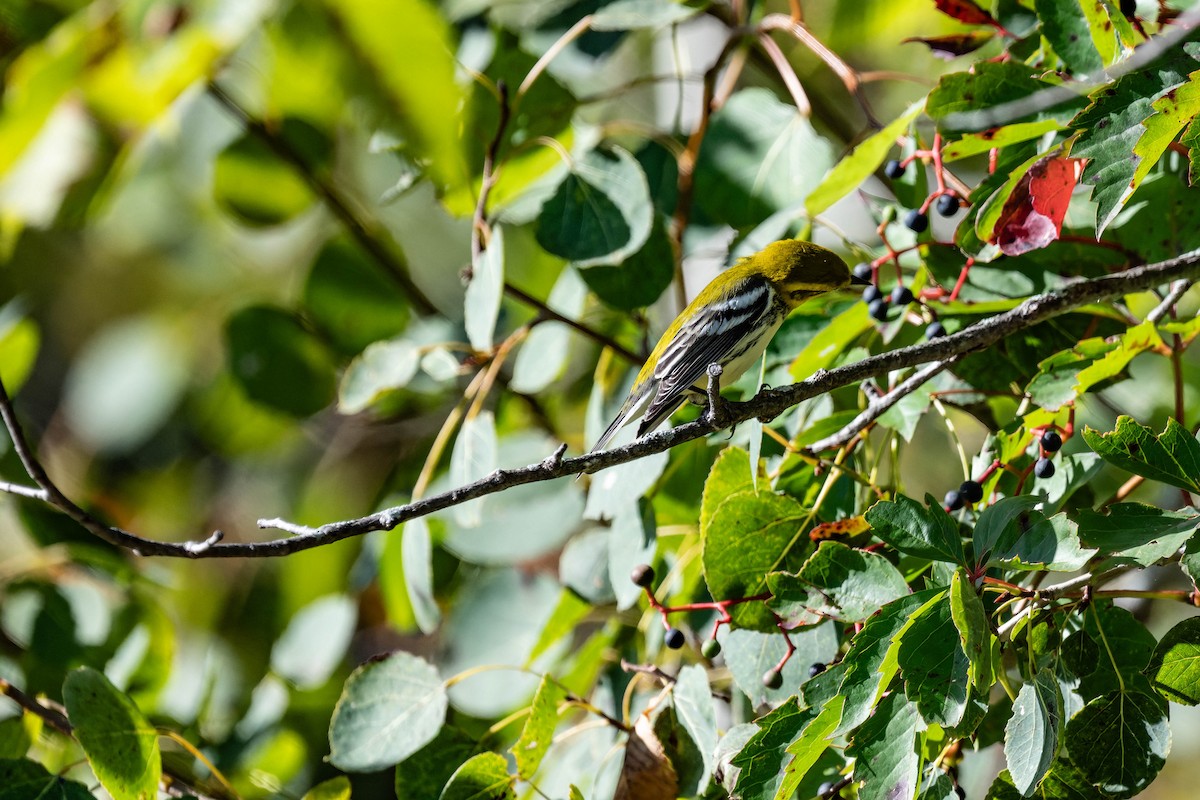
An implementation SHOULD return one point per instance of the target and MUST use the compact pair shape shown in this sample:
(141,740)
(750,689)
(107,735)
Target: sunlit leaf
(758,156)
(389,709)
(120,744)
(1172,457)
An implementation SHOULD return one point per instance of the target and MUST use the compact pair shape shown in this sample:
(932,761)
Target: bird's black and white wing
(721,332)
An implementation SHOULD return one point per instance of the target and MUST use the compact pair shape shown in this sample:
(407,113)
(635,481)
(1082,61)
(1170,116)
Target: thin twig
(787,73)
(596,336)
(849,76)
(368,236)
(879,405)
(1178,290)
(56,718)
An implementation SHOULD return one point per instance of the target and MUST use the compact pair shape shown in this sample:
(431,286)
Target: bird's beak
(857,281)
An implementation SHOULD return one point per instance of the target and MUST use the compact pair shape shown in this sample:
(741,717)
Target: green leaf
(474,456)
(1067,29)
(1172,112)
(1172,457)
(333,789)
(1044,543)
(916,530)
(351,299)
(860,163)
(543,356)
(1109,653)
(1064,781)
(382,368)
(393,35)
(995,527)
(257,186)
(752,534)
(693,701)
(934,666)
(974,635)
(972,144)
(786,746)
(20,340)
(838,581)
(871,662)
(423,774)
(1066,376)
(22,780)
(568,612)
(749,654)
(601,213)
(1162,223)
(1174,667)
(988,84)
(538,732)
(277,362)
(831,341)
(762,760)
(482,777)
(17,734)
(388,710)
(416,548)
(628,15)
(1120,741)
(1133,533)
(315,641)
(1112,126)
(631,541)
(1031,736)
(884,752)
(120,744)
(1191,140)
(637,281)
(481,303)
(759,156)
(812,743)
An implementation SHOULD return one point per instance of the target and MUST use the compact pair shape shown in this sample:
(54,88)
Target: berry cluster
(971,491)
(643,575)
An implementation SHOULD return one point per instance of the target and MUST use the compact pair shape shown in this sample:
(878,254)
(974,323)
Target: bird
(729,323)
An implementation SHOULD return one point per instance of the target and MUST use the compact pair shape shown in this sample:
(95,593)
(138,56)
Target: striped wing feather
(715,335)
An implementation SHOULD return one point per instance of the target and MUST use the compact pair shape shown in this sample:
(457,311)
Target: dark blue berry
(1044,468)
(878,309)
(816,669)
(935,330)
(674,638)
(642,575)
(1051,442)
(971,491)
(863,271)
(901,296)
(916,221)
(871,294)
(953,500)
(947,205)
(894,169)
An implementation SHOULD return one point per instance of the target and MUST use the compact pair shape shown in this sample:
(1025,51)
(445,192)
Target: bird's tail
(631,408)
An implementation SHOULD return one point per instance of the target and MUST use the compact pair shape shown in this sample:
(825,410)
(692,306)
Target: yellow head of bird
(800,270)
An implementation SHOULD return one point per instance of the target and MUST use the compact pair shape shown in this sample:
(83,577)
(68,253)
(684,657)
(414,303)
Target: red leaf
(965,11)
(954,45)
(1033,214)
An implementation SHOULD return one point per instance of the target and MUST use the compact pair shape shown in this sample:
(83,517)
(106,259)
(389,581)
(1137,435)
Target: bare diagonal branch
(766,405)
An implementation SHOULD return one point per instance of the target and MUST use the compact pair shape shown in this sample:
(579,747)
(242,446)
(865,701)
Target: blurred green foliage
(233,237)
